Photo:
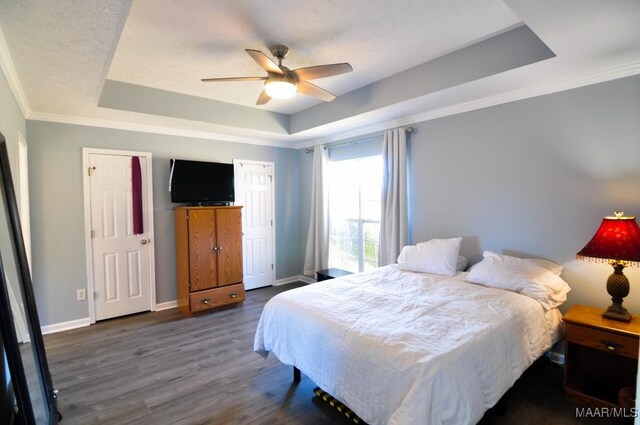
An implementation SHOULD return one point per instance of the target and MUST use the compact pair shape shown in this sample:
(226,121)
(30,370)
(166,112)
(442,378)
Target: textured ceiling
(171,47)
(62,50)
(138,64)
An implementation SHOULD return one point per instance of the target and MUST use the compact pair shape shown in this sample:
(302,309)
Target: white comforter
(406,348)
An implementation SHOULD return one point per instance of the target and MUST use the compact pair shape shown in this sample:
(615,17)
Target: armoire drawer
(211,298)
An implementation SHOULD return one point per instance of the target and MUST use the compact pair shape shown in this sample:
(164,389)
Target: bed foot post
(296,374)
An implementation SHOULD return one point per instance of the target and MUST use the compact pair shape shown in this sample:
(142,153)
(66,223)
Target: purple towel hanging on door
(136,191)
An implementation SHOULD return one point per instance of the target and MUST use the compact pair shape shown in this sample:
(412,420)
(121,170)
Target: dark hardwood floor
(163,368)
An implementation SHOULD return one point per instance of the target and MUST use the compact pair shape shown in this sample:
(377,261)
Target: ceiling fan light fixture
(280,89)
(282,82)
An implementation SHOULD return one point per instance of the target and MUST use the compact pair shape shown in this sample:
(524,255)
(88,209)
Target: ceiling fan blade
(264,61)
(321,71)
(309,89)
(263,98)
(207,80)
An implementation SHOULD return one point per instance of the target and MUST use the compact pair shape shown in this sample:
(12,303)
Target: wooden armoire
(209,257)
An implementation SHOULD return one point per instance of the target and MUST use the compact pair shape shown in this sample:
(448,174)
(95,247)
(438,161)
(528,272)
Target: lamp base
(618,288)
(616,315)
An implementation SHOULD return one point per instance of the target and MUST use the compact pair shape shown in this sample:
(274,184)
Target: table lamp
(616,242)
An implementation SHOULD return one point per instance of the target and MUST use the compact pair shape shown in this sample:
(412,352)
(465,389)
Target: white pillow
(461,263)
(549,265)
(437,256)
(525,277)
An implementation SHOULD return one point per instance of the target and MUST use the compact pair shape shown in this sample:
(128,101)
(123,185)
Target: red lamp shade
(616,241)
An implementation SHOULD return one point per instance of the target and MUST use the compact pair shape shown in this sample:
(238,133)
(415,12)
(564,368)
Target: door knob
(143,241)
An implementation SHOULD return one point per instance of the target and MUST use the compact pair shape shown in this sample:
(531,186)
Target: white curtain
(317,253)
(394,220)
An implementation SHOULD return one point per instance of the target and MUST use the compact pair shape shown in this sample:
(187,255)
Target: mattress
(407,348)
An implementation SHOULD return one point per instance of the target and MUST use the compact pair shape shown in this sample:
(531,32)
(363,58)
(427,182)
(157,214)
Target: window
(354,213)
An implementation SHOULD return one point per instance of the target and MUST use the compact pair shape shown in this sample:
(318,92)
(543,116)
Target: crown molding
(563,84)
(6,64)
(153,129)
(286,142)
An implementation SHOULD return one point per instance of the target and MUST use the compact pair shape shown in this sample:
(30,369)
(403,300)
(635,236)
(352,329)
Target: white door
(121,259)
(254,191)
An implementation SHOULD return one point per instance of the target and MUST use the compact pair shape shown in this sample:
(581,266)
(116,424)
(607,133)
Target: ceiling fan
(283,83)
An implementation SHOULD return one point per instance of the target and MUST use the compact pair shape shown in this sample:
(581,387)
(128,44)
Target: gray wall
(531,178)
(534,178)
(57,216)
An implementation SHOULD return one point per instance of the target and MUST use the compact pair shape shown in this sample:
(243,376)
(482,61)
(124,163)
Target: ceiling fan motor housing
(279,51)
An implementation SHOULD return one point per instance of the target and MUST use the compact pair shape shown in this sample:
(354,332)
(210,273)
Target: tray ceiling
(138,64)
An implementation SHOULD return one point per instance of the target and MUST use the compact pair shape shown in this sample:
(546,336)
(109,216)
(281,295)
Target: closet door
(203,269)
(229,237)
(121,259)
(255,191)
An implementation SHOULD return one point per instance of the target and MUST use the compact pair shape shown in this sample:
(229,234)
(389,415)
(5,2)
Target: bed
(403,348)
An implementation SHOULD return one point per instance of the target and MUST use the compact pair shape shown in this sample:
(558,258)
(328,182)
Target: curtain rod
(407,130)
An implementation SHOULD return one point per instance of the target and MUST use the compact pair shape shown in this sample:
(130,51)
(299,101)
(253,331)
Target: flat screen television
(196,182)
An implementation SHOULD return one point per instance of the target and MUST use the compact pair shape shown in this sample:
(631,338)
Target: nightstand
(601,356)
(330,274)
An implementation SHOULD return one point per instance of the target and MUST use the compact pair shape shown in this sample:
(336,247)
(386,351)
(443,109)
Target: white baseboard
(167,305)
(65,326)
(79,323)
(298,278)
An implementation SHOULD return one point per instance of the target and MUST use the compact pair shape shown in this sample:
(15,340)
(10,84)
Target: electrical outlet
(81,294)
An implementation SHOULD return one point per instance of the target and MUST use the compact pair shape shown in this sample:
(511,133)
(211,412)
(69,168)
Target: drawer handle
(233,295)
(205,300)
(611,345)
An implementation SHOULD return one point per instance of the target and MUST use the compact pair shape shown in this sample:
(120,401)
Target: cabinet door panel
(229,236)
(202,257)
